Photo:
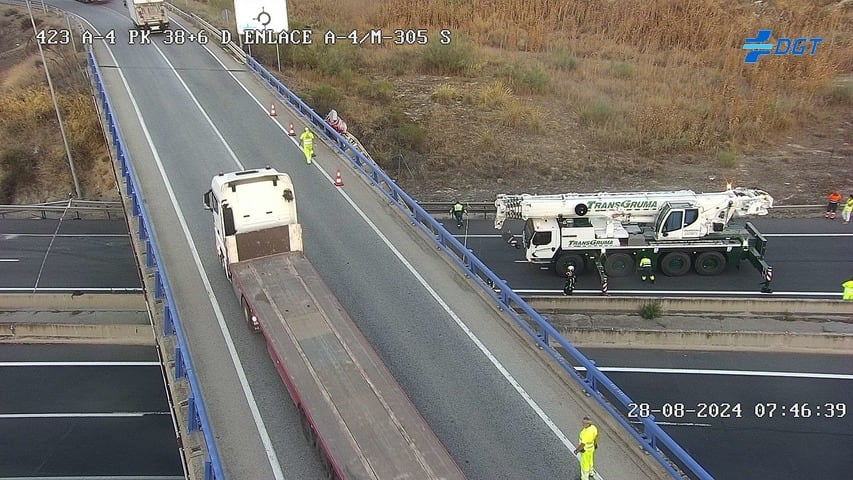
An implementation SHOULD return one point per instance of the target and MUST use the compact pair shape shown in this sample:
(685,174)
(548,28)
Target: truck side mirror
(207,195)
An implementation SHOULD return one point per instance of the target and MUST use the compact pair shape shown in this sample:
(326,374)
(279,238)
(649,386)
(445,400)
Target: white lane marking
(10,260)
(79,364)
(80,415)
(542,415)
(272,458)
(735,373)
(708,293)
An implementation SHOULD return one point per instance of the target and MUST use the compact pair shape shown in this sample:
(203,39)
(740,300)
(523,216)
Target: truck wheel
(710,263)
(675,264)
(619,264)
(247,313)
(562,264)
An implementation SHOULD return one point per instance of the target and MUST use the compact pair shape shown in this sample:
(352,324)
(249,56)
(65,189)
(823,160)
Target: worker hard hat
(571,267)
(306,129)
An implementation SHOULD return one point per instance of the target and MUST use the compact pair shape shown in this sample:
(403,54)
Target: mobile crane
(677,230)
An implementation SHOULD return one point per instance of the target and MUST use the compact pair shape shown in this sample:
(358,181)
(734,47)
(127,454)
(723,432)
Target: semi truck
(611,232)
(148,14)
(353,411)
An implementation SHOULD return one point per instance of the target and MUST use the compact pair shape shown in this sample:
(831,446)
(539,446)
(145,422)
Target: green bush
(597,112)
(651,310)
(839,95)
(562,59)
(726,159)
(623,70)
(452,59)
(19,169)
(527,79)
(381,90)
(325,98)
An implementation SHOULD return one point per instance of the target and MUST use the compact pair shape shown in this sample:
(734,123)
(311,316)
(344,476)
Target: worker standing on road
(848,289)
(307,141)
(646,269)
(587,445)
(457,210)
(832,206)
(848,209)
(569,287)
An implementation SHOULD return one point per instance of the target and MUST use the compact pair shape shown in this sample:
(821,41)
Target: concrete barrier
(63,333)
(71,302)
(712,306)
(707,340)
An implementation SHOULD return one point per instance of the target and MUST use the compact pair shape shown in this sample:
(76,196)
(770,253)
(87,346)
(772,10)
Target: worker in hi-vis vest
(307,140)
(848,289)
(587,445)
(646,269)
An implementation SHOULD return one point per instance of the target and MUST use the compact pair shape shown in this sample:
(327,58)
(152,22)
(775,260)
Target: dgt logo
(757,46)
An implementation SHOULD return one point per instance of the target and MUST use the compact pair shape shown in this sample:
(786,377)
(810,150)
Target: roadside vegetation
(33,163)
(557,91)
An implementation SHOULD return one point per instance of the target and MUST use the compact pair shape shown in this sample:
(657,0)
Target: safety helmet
(571,268)
(306,129)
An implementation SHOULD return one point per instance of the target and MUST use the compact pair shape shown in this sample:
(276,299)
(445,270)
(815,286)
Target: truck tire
(562,263)
(247,313)
(619,264)
(675,264)
(710,263)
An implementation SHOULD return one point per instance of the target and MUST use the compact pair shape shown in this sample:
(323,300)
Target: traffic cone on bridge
(291,131)
(272,110)
(339,182)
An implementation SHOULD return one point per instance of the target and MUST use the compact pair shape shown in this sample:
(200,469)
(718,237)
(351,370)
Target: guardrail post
(168,322)
(158,285)
(180,366)
(208,469)
(143,230)
(591,378)
(149,254)
(192,413)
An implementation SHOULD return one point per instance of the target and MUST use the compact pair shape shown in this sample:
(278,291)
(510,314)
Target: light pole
(55,105)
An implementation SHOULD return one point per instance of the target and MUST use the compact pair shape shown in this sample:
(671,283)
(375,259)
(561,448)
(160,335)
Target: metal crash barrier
(197,419)
(650,436)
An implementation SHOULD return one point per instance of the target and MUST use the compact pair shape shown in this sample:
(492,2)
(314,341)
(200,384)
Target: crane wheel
(710,263)
(675,264)
(619,264)
(562,264)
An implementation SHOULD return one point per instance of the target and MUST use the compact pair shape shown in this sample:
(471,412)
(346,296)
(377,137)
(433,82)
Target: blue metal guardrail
(196,412)
(651,436)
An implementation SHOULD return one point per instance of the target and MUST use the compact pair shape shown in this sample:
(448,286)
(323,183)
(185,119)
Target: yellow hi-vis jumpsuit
(588,438)
(848,289)
(646,269)
(307,139)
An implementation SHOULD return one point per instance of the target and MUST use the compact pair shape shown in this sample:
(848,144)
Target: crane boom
(629,207)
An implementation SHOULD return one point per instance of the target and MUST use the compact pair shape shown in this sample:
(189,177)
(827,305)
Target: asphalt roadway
(93,256)
(745,414)
(85,411)
(810,257)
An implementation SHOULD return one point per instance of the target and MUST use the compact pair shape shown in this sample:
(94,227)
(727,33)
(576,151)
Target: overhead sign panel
(261,15)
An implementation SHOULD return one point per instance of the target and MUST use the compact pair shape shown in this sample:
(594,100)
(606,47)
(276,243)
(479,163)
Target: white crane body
(676,229)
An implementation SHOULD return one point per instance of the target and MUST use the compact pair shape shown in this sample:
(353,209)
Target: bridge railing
(197,418)
(649,435)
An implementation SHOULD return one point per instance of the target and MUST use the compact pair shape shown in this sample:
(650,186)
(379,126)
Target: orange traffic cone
(338,180)
(272,110)
(290,130)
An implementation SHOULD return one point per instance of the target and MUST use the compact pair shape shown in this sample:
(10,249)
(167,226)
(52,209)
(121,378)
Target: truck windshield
(673,221)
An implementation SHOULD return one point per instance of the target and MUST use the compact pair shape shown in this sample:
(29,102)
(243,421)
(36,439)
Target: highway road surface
(51,256)
(186,115)
(85,411)
(745,414)
(810,257)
